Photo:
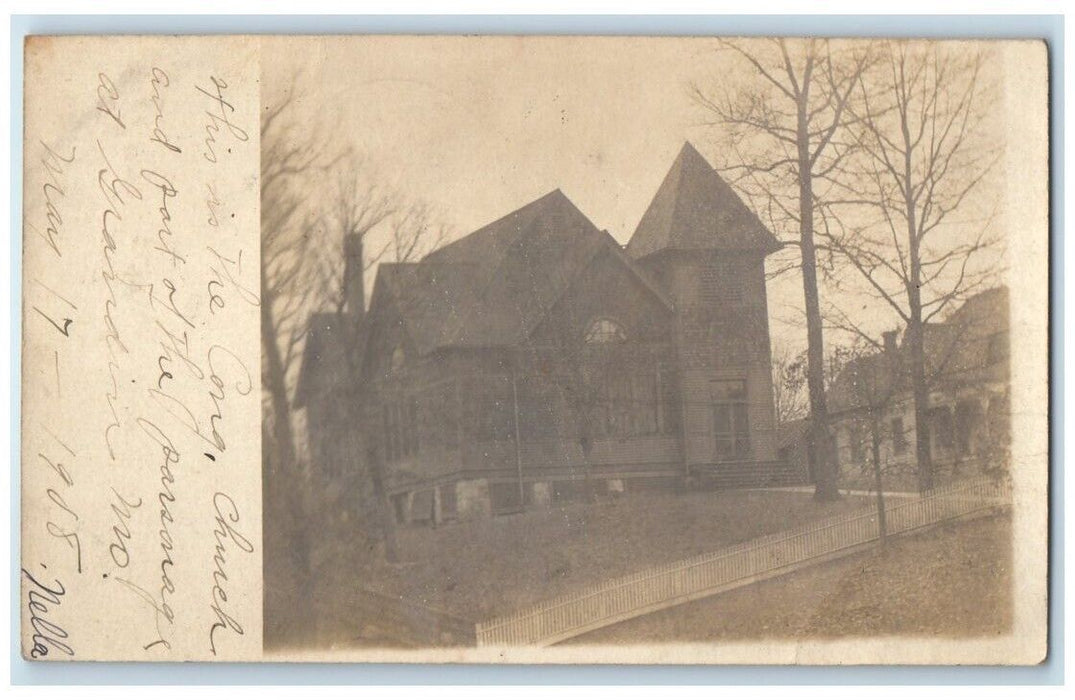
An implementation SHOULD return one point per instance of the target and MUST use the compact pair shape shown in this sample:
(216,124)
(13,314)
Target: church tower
(706,249)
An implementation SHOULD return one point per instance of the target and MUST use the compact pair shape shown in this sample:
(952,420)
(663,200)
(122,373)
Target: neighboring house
(792,447)
(968,375)
(333,398)
(536,359)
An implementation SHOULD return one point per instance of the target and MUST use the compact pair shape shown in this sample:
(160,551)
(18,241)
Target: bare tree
(360,203)
(414,231)
(382,225)
(288,157)
(870,379)
(789,385)
(369,223)
(924,154)
(786,132)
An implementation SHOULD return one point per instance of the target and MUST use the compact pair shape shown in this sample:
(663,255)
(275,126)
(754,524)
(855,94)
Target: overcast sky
(478,128)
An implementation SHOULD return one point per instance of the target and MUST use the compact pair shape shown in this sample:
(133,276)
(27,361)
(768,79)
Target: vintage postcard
(535,349)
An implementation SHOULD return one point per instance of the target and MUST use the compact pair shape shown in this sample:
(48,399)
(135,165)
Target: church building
(538,360)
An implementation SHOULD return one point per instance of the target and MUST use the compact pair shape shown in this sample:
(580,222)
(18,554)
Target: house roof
(492,287)
(695,209)
(957,354)
(870,380)
(986,311)
(981,322)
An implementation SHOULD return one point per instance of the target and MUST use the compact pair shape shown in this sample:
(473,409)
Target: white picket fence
(664,586)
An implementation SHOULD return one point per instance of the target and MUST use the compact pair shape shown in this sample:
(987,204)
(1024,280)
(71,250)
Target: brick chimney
(889,338)
(354,282)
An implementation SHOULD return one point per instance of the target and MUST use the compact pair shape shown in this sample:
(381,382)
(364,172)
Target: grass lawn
(953,580)
(483,568)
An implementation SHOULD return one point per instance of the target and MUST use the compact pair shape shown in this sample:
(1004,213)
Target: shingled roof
(492,287)
(695,209)
(957,354)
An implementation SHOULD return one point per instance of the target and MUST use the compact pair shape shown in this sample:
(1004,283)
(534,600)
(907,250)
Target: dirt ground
(954,580)
(483,568)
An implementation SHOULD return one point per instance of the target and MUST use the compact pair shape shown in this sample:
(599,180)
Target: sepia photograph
(633,344)
(574,350)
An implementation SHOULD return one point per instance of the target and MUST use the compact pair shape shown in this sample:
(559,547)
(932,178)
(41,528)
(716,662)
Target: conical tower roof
(695,209)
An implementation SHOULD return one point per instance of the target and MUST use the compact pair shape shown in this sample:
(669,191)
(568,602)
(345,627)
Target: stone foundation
(541,493)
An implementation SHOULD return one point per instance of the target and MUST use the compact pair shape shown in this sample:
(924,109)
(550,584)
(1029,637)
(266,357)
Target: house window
(731,427)
(399,505)
(449,502)
(605,330)
(968,418)
(422,504)
(942,428)
(855,443)
(400,429)
(899,437)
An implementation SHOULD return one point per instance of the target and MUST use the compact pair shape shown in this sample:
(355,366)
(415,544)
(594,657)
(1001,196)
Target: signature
(41,601)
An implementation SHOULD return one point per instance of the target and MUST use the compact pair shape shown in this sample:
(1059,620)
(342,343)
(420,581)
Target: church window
(731,426)
(605,330)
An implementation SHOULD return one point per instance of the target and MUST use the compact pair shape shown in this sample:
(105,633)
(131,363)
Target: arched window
(605,330)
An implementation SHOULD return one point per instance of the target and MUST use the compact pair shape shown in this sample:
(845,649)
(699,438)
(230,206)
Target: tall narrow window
(942,429)
(968,418)
(731,427)
(856,440)
(669,402)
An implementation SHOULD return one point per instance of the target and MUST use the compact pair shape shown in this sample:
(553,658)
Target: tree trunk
(877,481)
(920,390)
(382,502)
(287,477)
(818,440)
(915,328)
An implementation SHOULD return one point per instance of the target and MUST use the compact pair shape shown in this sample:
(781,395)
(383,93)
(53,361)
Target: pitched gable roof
(695,209)
(489,243)
(492,287)
(868,381)
(956,354)
(428,294)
